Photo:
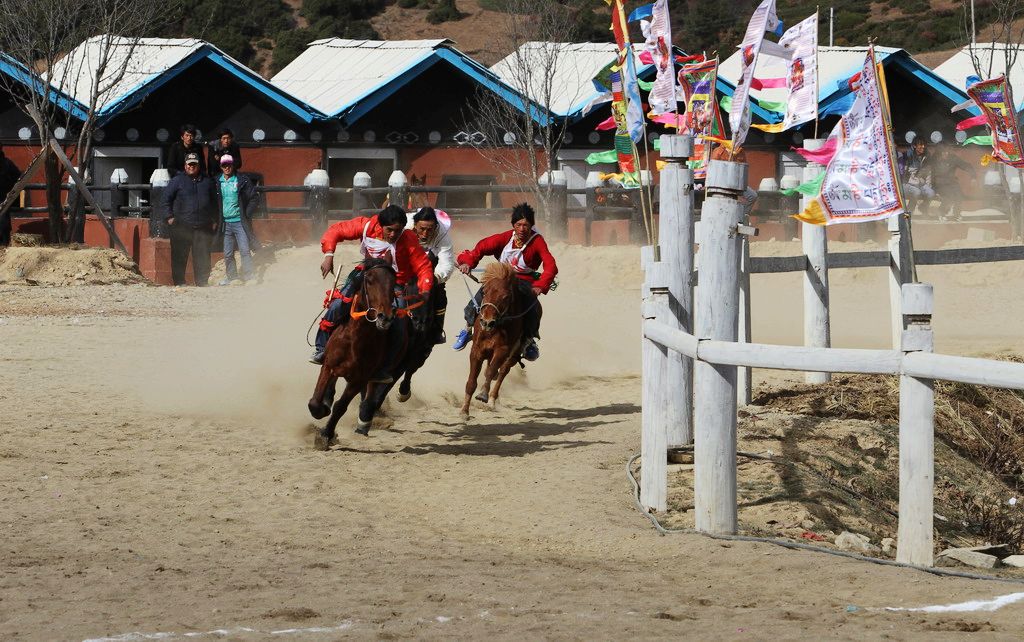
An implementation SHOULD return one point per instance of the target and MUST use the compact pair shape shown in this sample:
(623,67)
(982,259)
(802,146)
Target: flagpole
(817,64)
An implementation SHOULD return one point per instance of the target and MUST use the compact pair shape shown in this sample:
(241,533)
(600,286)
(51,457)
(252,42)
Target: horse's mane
(499,271)
(371,263)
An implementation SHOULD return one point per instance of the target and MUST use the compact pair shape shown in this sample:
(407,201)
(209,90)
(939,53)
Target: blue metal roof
(19,73)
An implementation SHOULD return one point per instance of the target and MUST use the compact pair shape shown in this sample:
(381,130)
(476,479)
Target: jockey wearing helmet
(525,250)
(382,236)
(432,228)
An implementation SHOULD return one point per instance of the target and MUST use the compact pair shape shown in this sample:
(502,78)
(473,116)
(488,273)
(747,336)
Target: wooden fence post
(817,322)
(360,201)
(917,434)
(744,381)
(717,318)
(899,272)
(555,187)
(593,182)
(655,392)
(118,197)
(158,180)
(398,185)
(319,184)
(675,239)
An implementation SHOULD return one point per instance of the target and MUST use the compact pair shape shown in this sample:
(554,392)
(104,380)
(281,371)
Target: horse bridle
(365,314)
(502,317)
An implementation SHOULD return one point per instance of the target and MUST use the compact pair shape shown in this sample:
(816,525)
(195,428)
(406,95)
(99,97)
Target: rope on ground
(797,546)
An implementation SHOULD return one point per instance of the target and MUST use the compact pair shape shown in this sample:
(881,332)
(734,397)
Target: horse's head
(499,294)
(378,292)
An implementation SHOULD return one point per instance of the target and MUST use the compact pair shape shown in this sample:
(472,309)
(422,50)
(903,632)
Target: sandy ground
(157,477)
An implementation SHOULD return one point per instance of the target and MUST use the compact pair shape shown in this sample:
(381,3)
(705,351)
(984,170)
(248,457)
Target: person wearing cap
(225,144)
(190,201)
(181,148)
(236,196)
(432,228)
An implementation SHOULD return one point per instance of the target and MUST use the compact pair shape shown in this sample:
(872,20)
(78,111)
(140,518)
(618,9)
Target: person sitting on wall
(236,195)
(190,201)
(917,183)
(941,167)
(181,148)
(225,144)
(432,228)
(9,176)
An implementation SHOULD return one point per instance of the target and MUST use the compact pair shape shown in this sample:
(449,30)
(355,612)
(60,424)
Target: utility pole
(832,15)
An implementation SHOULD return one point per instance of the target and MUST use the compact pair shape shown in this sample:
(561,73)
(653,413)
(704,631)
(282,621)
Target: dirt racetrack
(157,478)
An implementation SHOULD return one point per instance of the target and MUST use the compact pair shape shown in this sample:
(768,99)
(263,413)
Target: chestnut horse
(497,333)
(356,352)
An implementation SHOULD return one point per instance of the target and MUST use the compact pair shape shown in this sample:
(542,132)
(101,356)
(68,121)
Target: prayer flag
(762,20)
(658,33)
(702,119)
(861,181)
(995,99)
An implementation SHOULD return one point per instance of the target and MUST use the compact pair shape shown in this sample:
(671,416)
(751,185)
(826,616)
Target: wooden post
(917,434)
(319,184)
(158,181)
(744,383)
(118,197)
(398,185)
(555,187)
(655,392)
(817,321)
(899,272)
(360,200)
(717,318)
(593,182)
(675,239)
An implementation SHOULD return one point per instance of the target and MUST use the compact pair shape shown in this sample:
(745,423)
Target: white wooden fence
(693,358)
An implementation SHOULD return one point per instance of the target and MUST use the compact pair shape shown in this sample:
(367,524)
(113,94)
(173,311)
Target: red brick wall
(282,166)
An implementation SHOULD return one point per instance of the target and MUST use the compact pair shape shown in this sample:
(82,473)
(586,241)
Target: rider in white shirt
(432,228)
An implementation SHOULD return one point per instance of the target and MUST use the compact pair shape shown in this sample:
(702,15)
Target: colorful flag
(634,111)
(624,146)
(702,118)
(995,99)
(801,81)
(764,19)
(658,32)
(861,181)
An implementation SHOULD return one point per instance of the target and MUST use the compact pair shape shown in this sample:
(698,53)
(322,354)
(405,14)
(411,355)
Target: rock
(999,550)
(966,556)
(848,541)
(888,546)
(1016,561)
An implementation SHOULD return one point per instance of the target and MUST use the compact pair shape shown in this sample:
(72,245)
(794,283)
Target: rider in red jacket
(382,236)
(525,250)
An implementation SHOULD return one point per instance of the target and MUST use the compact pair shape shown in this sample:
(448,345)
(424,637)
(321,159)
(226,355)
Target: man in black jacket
(190,201)
(224,145)
(181,148)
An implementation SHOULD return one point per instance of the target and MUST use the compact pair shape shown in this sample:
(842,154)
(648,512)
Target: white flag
(802,75)
(763,19)
(658,32)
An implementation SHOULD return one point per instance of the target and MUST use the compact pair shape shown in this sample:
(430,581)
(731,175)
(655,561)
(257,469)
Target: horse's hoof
(363,427)
(319,410)
(404,396)
(481,397)
(465,416)
(322,442)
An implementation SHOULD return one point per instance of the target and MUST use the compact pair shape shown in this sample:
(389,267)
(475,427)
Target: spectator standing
(190,201)
(225,144)
(237,199)
(9,175)
(181,148)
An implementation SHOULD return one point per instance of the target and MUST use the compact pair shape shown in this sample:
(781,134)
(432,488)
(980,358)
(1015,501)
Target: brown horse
(497,333)
(356,352)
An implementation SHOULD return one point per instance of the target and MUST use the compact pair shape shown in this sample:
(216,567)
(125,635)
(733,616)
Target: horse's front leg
(325,438)
(370,404)
(405,388)
(475,362)
(497,358)
(506,367)
(320,403)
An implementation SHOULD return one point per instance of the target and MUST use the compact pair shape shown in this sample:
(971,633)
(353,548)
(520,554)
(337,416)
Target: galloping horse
(356,352)
(498,332)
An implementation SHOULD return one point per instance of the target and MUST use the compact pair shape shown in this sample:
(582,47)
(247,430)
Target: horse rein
(366,314)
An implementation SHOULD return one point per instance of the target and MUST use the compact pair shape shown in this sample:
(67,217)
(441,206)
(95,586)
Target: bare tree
(522,139)
(37,35)
(1003,38)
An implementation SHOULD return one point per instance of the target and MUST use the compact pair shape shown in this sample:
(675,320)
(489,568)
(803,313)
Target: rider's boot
(462,339)
(531,352)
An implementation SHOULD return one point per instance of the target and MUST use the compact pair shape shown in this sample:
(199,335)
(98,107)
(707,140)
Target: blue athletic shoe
(462,339)
(532,352)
